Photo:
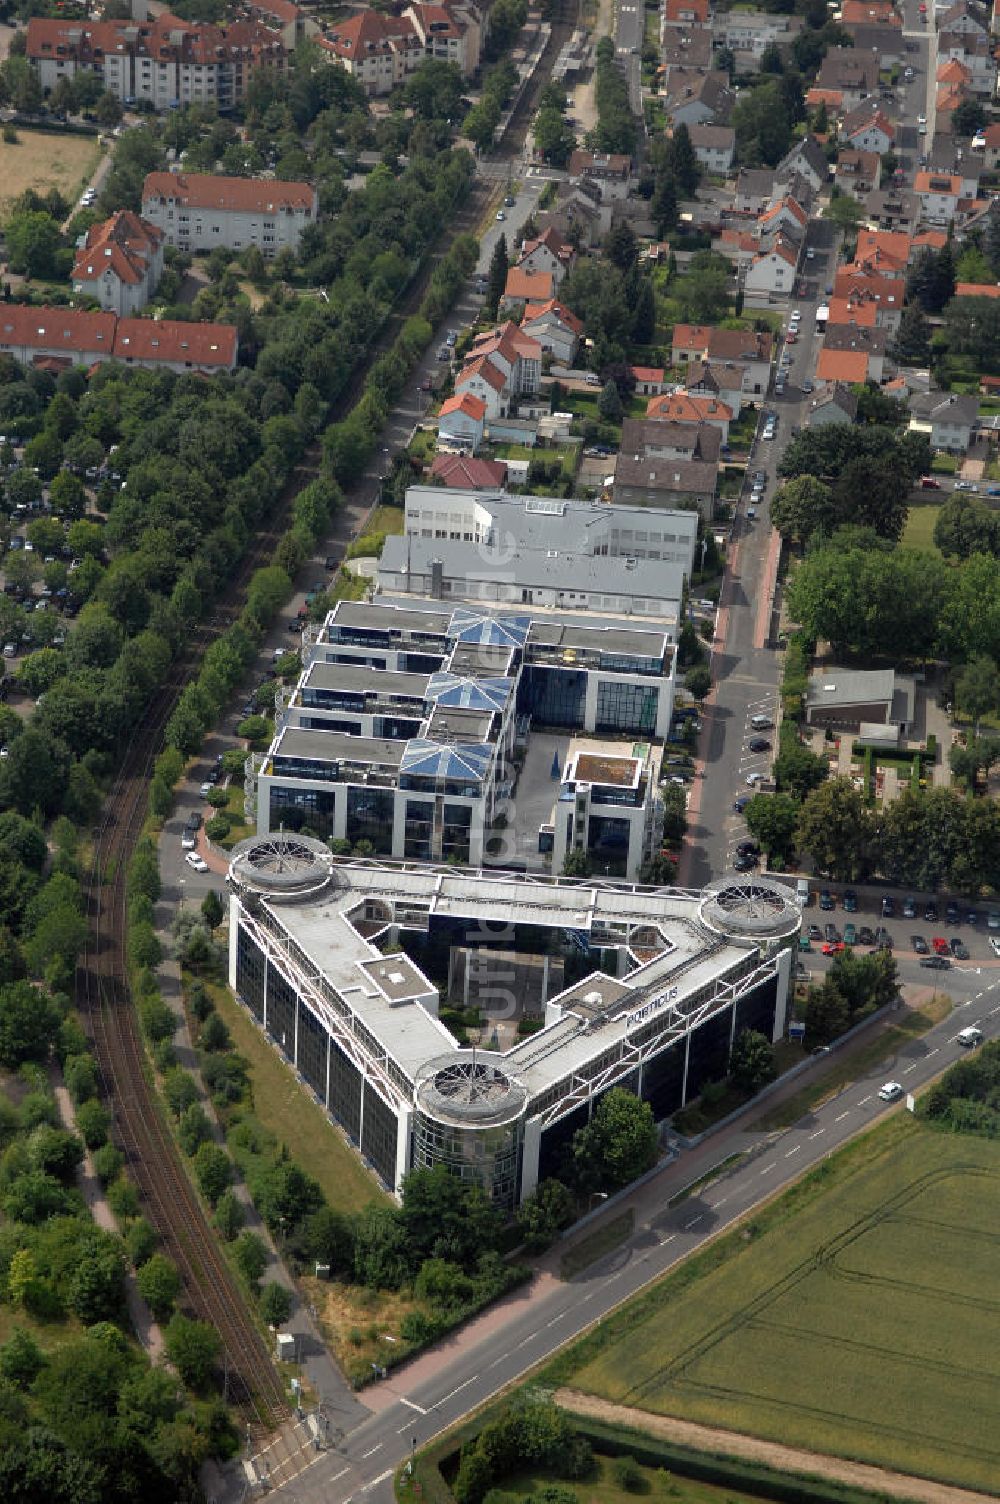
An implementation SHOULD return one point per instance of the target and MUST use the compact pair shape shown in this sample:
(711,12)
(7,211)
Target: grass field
(856,1315)
(287,1109)
(601,1488)
(44,160)
(919,529)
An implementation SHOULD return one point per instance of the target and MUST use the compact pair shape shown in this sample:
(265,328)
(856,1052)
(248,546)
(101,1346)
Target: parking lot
(926,933)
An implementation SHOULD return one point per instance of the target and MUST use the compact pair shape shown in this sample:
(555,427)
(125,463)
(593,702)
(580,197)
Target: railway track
(102,991)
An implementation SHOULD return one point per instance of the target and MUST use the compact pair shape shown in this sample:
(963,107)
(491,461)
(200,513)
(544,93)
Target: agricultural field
(44,160)
(856,1315)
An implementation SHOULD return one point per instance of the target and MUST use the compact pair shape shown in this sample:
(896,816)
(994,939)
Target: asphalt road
(537,1324)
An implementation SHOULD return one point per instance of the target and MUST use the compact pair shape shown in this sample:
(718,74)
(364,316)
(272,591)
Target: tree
(835,829)
(967,118)
(751,1062)
(275,1304)
(445,1217)
(682,162)
(554,138)
(543,1215)
(609,403)
(92,1122)
(21,1359)
(251,1255)
(34,244)
(977,689)
(698,681)
(194,1129)
(826,1015)
(965,526)
(844,211)
(674,801)
(644,320)
(705,293)
(29,1020)
(772,820)
(762,124)
(979,755)
(192,1347)
(159,1284)
(617,1145)
(865,981)
(912,344)
(931,279)
(803,507)
(499,266)
(214,1035)
(229,1215)
(576,863)
(797,769)
(213,1170)
(68,497)
(621,247)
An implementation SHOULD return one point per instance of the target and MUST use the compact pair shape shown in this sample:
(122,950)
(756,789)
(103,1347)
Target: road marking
(375,1448)
(376,1481)
(453,1392)
(412,1405)
(864,1100)
(665,1241)
(343,1470)
(818,1134)
(524,1341)
(767,1169)
(722,1201)
(907,1069)
(555,1319)
(796,1150)
(498,1361)
(931,1052)
(843,1115)
(693,1223)
(994,1010)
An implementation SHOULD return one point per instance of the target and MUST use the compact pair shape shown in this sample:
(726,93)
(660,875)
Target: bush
(628,1474)
(140,1242)
(218,828)
(229,1215)
(159,1284)
(92,1122)
(251,1255)
(108,1163)
(80,1075)
(275,1304)
(123,1199)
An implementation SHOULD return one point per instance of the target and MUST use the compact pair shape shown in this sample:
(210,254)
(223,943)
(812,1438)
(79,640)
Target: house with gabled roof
(853,73)
(838,404)
(119,263)
(868,128)
(682,407)
(556,328)
(884,252)
(484,379)
(514,352)
(846,366)
(806,159)
(548,252)
(857,173)
(64,337)
(524,287)
(773,269)
(465,473)
(198,211)
(461,421)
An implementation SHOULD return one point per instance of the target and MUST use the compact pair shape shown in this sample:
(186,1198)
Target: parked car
(850,901)
(995,944)
(759,743)
(866,936)
(826,899)
(951,914)
(850,934)
(935,963)
(888,906)
(919,944)
(760,722)
(940,945)
(831,934)
(743,863)
(959,949)
(929,483)
(197,862)
(930,912)
(883,940)
(815,933)
(909,908)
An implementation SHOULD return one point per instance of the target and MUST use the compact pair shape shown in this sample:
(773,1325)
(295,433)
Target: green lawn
(919,530)
(284,1106)
(567,454)
(854,1315)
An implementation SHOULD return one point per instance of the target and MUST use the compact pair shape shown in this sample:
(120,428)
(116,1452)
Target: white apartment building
(198,211)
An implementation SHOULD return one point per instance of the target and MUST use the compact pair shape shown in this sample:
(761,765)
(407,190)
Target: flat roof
(360,614)
(640,640)
(322,675)
(848,686)
(336,746)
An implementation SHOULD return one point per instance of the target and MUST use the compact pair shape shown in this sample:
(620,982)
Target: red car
(833,950)
(928,483)
(941,946)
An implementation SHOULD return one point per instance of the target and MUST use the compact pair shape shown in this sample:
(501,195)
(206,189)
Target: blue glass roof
(468,694)
(427,759)
(469,625)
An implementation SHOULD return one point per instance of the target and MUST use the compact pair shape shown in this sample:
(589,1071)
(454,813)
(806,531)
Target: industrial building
(332,958)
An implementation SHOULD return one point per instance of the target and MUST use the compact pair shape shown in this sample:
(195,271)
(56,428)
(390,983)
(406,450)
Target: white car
(995,944)
(197,862)
(753,779)
(188,838)
(890,1092)
(969,1038)
(10,650)
(796,316)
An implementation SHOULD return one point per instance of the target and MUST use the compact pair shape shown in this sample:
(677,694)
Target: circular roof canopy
(281,864)
(751,908)
(469,1089)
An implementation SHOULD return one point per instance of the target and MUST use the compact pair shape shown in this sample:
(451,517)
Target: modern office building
(409,721)
(332,957)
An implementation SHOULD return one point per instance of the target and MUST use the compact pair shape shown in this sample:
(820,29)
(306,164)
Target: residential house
(869,129)
(939,195)
(751,348)
(852,338)
(894,208)
(991,147)
(772,270)
(787,215)
(749,33)
(806,159)
(754,189)
(963,18)
(515,353)
(119,263)
(199,211)
(947,155)
(666,440)
(690,47)
(975,53)
(485,380)
(852,310)
(722,380)
(870,13)
(648,380)
(642,480)
(884,42)
(464,473)
(549,253)
(886,253)
(714,146)
(160,64)
(838,404)
(73,337)
(739,246)
(556,328)
(682,407)
(608,172)
(949,419)
(450,32)
(526,287)
(685,13)
(461,421)
(848,366)
(377,50)
(699,99)
(851,72)
(857,173)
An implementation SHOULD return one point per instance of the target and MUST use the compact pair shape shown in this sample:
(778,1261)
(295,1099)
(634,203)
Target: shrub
(123,1199)
(628,1474)
(92,1122)
(229,1215)
(275,1304)
(218,828)
(108,1163)
(140,1242)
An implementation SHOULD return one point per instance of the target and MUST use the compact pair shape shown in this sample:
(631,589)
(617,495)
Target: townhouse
(751,348)
(749,33)
(461,421)
(381,50)
(686,407)
(547,253)
(868,128)
(714,146)
(73,337)
(556,328)
(857,173)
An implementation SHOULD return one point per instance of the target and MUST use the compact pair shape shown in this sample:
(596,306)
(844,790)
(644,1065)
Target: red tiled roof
(70,329)
(680,407)
(647,373)
(177,342)
(861,311)
(850,366)
(528,286)
(77,332)
(203,190)
(125,243)
(165,38)
(484,367)
(464,402)
(559,310)
(977,290)
(469,474)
